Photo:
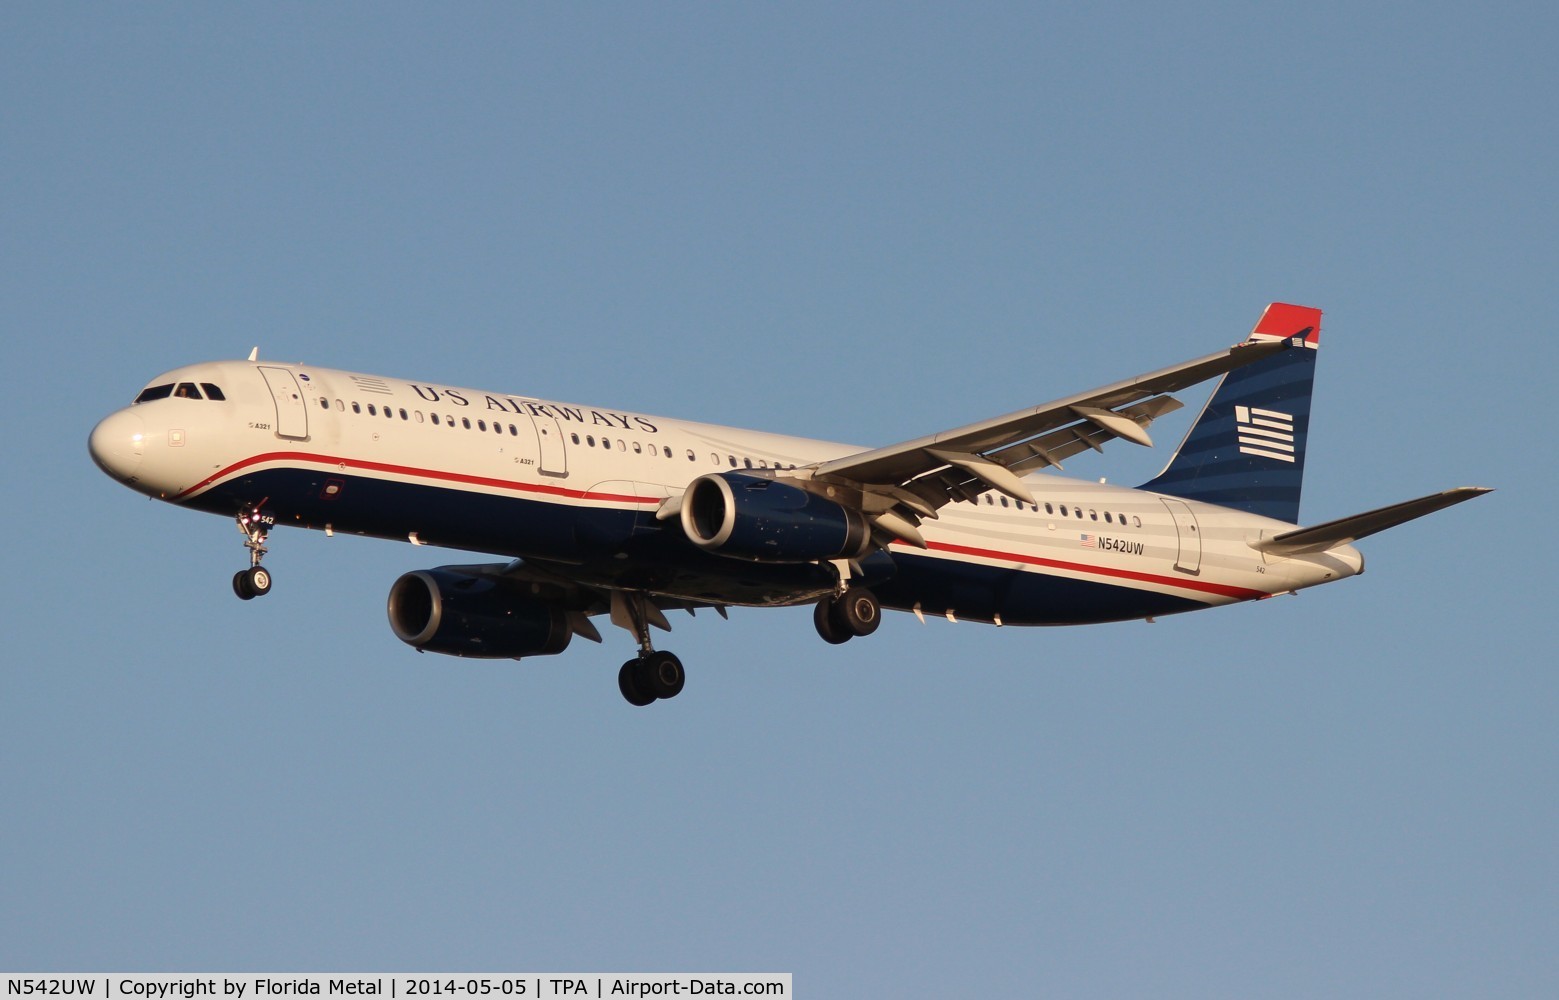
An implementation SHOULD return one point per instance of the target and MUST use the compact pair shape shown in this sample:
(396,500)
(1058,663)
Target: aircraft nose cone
(117,443)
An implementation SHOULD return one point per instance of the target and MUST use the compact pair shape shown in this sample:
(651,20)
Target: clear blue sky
(863,224)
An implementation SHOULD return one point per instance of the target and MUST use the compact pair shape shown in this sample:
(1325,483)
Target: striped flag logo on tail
(1266,433)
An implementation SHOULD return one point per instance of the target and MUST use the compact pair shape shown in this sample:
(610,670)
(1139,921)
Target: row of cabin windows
(639,447)
(1053,509)
(390,412)
(181,390)
(589,440)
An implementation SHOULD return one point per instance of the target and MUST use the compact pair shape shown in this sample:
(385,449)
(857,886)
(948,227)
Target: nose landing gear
(255,524)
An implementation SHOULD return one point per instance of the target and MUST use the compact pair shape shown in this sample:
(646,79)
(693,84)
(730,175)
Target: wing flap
(1052,426)
(915,478)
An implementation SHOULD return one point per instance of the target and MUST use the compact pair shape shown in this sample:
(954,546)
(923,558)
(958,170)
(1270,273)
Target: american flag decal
(1090,541)
(369,384)
(1267,433)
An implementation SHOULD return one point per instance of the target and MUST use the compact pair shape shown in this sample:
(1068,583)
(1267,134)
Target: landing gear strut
(847,615)
(651,675)
(256,580)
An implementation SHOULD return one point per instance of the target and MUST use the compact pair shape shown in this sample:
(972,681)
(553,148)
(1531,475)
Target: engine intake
(460,614)
(763,520)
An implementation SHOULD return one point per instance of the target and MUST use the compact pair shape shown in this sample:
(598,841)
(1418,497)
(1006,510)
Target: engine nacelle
(763,520)
(463,615)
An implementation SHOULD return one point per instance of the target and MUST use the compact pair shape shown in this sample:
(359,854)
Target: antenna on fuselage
(254,353)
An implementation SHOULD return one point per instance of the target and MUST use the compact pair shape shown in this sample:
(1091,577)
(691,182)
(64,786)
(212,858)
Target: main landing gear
(256,580)
(650,676)
(847,615)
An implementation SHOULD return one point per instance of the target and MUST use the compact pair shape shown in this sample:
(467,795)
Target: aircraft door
(292,413)
(1190,558)
(554,458)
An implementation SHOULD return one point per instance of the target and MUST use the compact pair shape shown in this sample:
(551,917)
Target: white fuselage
(344,451)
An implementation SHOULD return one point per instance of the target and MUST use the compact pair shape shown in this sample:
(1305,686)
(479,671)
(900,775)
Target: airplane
(602,511)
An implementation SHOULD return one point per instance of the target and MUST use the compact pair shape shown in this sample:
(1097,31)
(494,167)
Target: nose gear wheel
(255,524)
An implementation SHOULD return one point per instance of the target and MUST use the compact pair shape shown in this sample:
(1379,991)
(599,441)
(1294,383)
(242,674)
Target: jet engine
(461,614)
(764,520)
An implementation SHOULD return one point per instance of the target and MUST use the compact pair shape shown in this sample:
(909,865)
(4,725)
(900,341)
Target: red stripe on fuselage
(1220,589)
(406,470)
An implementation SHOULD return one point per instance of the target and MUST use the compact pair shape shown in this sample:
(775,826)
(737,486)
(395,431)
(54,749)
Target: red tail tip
(1282,321)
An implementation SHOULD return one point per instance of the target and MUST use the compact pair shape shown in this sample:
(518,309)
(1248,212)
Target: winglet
(1282,321)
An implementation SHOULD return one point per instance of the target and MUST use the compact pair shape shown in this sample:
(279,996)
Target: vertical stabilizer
(1247,448)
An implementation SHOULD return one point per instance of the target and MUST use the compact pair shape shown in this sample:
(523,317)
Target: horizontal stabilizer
(1351,529)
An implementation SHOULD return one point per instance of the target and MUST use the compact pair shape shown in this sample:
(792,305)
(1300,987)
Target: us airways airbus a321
(604,512)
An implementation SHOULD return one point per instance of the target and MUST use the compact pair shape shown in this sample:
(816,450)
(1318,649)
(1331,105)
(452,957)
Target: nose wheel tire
(252,582)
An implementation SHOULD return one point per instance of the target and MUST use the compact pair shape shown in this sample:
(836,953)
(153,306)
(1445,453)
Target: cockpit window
(212,392)
(186,390)
(155,392)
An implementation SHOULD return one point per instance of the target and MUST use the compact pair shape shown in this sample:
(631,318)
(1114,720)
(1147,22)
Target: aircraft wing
(582,602)
(903,484)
